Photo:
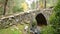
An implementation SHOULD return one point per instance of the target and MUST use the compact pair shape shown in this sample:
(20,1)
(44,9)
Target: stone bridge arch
(44,12)
(23,17)
(41,19)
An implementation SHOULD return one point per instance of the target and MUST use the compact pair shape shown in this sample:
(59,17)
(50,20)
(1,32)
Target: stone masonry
(23,17)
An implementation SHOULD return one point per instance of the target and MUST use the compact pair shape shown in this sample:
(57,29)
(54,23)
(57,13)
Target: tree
(5,7)
(12,6)
(44,3)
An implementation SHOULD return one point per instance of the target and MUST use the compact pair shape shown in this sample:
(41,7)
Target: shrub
(47,30)
(55,18)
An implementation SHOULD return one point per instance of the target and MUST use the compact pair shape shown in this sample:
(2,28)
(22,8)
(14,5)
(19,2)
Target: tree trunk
(5,7)
(44,3)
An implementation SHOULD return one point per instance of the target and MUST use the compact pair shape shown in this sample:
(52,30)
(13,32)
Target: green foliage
(2,1)
(14,6)
(1,6)
(55,18)
(47,30)
(33,5)
(10,31)
(1,10)
(17,9)
(13,29)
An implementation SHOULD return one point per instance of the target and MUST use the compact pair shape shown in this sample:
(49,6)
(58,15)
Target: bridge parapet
(23,17)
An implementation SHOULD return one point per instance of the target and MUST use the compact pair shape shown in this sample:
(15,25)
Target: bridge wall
(23,17)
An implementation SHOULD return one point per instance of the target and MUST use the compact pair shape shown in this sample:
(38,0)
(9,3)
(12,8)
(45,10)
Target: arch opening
(41,20)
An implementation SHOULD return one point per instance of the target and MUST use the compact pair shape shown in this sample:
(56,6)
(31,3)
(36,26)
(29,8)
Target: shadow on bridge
(41,20)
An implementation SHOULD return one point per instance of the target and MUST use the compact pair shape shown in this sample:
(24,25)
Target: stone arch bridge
(23,17)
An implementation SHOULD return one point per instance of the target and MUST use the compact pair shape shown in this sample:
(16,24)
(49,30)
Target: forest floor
(19,29)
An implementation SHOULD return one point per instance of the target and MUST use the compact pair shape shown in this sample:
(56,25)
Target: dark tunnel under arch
(41,20)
